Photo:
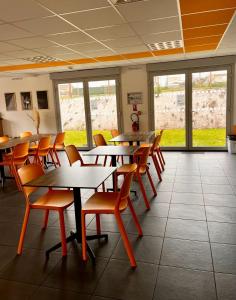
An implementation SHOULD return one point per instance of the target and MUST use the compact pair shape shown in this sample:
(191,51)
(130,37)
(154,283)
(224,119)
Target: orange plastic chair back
(20,152)
(59,140)
(155,144)
(4,139)
(73,154)
(25,134)
(28,173)
(143,159)
(44,146)
(114,132)
(125,188)
(99,140)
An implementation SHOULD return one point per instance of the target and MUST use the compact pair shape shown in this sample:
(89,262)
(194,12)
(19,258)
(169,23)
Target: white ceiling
(74,29)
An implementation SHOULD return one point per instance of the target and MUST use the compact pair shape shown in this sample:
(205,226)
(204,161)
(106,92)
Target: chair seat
(54,199)
(103,202)
(57,147)
(124,169)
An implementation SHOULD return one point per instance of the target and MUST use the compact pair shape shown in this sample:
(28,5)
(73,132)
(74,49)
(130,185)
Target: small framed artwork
(42,99)
(10,100)
(26,100)
(135,98)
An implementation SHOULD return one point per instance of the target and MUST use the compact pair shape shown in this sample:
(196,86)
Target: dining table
(75,177)
(134,137)
(11,144)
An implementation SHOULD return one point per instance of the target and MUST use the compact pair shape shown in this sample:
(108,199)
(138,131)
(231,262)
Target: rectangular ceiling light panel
(41,59)
(165,45)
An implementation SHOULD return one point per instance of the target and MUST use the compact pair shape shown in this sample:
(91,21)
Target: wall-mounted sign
(135,98)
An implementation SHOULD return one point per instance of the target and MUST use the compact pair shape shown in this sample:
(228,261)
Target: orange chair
(4,139)
(57,200)
(100,141)
(25,134)
(152,153)
(142,169)
(73,156)
(58,145)
(112,203)
(16,159)
(42,151)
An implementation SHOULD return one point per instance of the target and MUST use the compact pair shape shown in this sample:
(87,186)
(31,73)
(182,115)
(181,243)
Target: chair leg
(156,164)
(125,239)
(45,222)
(143,191)
(23,230)
(103,187)
(162,157)
(151,182)
(57,158)
(84,246)
(136,221)
(96,161)
(105,161)
(98,224)
(63,233)
(53,161)
(17,179)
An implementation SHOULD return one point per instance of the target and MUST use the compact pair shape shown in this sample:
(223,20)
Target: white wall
(134,79)
(14,122)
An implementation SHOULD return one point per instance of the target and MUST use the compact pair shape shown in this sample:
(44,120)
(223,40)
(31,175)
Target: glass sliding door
(170,108)
(72,112)
(103,107)
(209,95)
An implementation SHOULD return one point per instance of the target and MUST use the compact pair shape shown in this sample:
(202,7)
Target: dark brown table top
(141,136)
(73,177)
(15,141)
(112,150)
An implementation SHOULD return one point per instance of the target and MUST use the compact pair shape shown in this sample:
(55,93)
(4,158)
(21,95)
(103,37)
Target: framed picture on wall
(10,100)
(26,100)
(42,99)
(135,98)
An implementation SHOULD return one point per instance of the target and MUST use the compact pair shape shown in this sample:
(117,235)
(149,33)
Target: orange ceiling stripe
(137,55)
(200,48)
(188,7)
(203,41)
(168,51)
(82,61)
(109,58)
(204,31)
(207,18)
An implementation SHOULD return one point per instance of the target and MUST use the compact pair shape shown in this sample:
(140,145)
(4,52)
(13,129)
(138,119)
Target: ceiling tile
(229,37)
(95,18)
(70,38)
(112,32)
(156,26)
(46,25)
(14,62)
(162,37)
(69,56)
(99,53)
(10,32)
(51,51)
(15,10)
(208,18)
(123,42)
(22,54)
(5,47)
(65,6)
(87,47)
(34,42)
(146,10)
(204,31)
(134,49)
(188,7)
(200,48)
(203,40)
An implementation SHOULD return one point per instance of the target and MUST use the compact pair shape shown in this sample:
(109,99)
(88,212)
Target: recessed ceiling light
(41,59)
(125,1)
(165,45)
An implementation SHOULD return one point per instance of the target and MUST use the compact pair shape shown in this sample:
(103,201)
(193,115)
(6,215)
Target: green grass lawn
(214,137)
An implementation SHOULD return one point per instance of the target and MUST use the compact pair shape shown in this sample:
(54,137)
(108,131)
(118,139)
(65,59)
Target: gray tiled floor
(188,250)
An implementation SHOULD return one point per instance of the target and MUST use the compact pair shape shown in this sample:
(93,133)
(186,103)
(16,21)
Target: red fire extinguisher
(135,121)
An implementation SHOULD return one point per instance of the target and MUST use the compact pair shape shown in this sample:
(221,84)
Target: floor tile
(44,293)
(186,254)
(224,233)
(187,179)
(226,287)
(214,180)
(75,275)
(150,225)
(162,197)
(165,187)
(180,284)
(187,188)
(221,189)
(184,211)
(187,198)
(187,229)
(224,258)
(11,290)
(146,249)
(126,283)
(221,214)
(156,210)
(218,200)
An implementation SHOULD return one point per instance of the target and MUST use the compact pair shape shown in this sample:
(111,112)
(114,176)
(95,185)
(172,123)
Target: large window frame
(182,68)
(90,76)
